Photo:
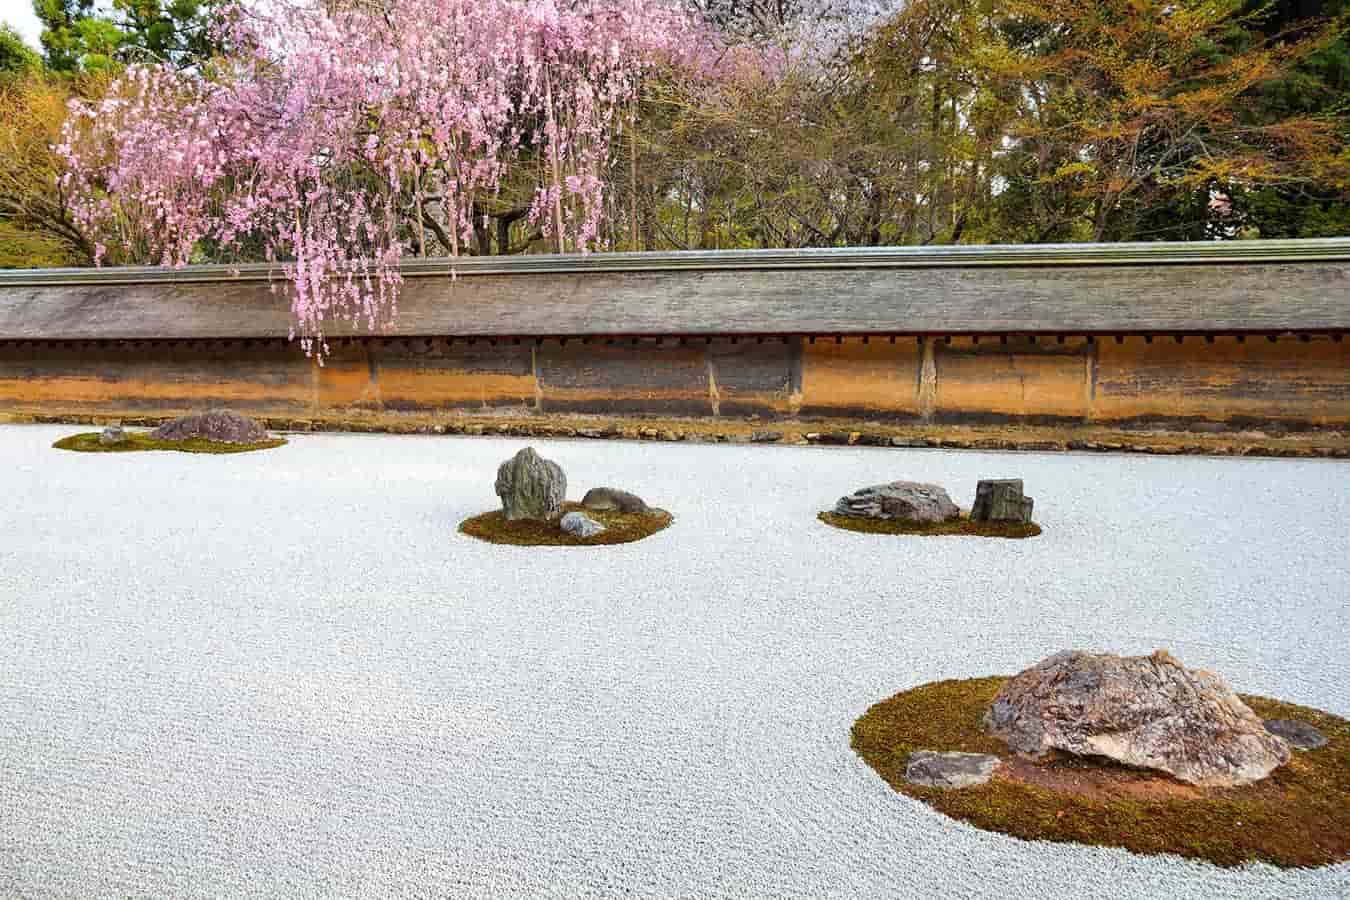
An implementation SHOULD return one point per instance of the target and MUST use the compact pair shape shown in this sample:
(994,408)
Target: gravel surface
(285,673)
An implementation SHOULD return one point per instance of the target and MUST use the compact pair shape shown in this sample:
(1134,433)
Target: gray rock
(113,434)
(909,500)
(765,437)
(1145,711)
(581,525)
(222,425)
(1299,735)
(1001,500)
(603,498)
(531,487)
(949,770)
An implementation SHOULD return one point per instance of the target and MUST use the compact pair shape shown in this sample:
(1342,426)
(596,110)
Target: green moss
(620,528)
(141,440)
(1299,816)
(962,525)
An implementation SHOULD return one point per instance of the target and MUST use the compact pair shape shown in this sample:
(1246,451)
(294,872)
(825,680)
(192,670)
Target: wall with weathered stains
(1297,381)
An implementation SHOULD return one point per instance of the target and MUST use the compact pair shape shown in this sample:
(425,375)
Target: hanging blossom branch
(326,129)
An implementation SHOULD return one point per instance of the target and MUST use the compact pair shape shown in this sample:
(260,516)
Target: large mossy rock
(1146,711)
(604,498)
(909,501)
(221,425)
(531,487)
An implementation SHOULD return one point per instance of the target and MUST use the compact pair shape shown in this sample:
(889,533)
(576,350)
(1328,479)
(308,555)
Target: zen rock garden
(535,510)
(213,431)
(1137,752)
(1000,509)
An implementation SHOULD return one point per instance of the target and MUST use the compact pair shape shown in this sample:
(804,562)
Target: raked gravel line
(285,673)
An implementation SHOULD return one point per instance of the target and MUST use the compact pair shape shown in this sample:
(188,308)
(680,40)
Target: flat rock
(930,768)
(580,525)
(221,425)
(1299,735)
(1001,500)
(113,434)
(1145,711)
(604,498)
(911,501)
(531,487)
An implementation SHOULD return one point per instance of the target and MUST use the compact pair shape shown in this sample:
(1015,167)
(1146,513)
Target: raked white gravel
(285,673)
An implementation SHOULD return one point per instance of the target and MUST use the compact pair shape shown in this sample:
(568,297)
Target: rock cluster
(911,501)
(221,425)
(1145,711)
(531,487)
(1001,500)
(604,498)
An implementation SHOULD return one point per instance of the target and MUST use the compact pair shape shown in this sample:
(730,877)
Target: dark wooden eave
(1186,288)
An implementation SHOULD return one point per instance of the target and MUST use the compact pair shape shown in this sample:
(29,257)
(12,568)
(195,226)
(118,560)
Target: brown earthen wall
(1297,382)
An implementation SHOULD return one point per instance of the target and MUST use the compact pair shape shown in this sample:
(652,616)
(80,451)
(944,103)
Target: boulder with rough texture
(603,498)
(911,501)
(531,487)
(221,425)
(113,434)
(1299,735)
(929,768)
(1146,711)
(1001,500)
(580,525)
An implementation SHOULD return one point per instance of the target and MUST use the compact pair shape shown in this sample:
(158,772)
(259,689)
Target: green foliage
(15,55)
(79,36)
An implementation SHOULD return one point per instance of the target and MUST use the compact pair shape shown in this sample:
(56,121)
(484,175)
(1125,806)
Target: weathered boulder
(912,501)
(1299,735)
(1001,500)
(113,434)
(603,498)
(949,770)
(1145,711)
(580,525)
(531,487)
(222,425)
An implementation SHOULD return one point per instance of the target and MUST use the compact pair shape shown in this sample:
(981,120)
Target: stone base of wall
(1319,443)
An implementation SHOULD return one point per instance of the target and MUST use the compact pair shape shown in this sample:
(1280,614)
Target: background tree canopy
(820,123)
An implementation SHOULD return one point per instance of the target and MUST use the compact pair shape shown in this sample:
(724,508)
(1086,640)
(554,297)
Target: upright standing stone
(531,487)
(1001,500)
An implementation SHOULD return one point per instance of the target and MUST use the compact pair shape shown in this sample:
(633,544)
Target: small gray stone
(581,525)
(603,498)
(765,437)
(949,770)
(531,487)
(1299,735)
(911,501)
(1001,500)
(113,434)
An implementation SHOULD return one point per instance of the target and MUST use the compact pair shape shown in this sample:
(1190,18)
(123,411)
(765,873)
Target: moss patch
(962,525)
(141,440)
(620,528)
(1299,816)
